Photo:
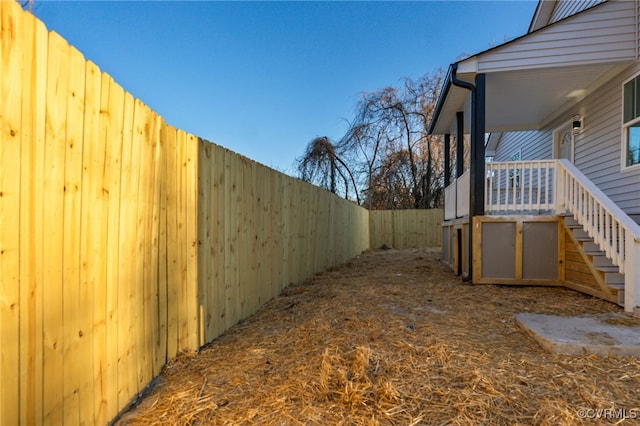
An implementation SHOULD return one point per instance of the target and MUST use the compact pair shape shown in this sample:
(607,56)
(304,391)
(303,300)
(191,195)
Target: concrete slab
(603,334)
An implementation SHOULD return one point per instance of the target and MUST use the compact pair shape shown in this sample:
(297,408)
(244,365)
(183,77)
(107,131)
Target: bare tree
(363,144)
(390,130)
(386,156)
(27,5)
(391,189)
(321,165)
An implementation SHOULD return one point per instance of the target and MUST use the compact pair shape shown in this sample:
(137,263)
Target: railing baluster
(538,191)
(570,199)
(606,233)
(510,182)
(515,189)
(552,174)
(581,203)
(530,180)
(502,187)
(493,182)
(613,247)
(489,189)
(601,222)
(558,187)
(587,212)
(507,187)
(498,187)
(594,215)
(621,247)
(521,183)
(599,236)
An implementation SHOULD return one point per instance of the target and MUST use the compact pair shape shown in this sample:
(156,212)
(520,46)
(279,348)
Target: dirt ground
(393,338)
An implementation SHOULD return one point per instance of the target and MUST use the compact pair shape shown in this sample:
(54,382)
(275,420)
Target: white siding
(597,148)
(566,8)
(606,33)
(534,145)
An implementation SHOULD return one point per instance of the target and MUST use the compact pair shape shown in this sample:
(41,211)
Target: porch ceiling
(525,99)
(540,76)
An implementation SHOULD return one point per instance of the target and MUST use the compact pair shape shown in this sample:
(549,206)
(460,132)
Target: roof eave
(542,15)
(441,100)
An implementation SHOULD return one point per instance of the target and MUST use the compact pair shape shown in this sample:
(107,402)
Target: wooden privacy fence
(123,240)
(259,231)
(405,228)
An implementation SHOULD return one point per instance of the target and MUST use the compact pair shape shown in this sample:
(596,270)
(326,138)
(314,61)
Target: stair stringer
(610,291)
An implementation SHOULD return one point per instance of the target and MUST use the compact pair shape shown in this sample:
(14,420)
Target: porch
(545,223)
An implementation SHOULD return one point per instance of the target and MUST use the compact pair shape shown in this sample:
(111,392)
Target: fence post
(631,273)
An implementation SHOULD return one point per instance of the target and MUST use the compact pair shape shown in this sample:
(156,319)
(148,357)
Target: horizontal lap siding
(603,34)
(599,145)
(534,145)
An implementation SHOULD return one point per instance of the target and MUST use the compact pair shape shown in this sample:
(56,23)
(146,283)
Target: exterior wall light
(576,124)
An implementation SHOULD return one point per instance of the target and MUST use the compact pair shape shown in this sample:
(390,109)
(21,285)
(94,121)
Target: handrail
(613,208)
(557,185)
(605,222)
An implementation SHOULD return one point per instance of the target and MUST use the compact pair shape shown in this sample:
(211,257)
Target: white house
(557,112)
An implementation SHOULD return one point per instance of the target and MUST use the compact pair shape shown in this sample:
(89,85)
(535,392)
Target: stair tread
(616,286)
(608,268)
(595,252)
(584,239)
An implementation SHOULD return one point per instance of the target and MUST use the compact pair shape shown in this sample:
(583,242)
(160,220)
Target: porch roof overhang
(542,75)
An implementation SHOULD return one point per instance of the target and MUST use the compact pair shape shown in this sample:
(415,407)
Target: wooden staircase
(595,265)
(607,282)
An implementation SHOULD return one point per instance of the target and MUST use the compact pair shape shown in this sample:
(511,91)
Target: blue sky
(264,78)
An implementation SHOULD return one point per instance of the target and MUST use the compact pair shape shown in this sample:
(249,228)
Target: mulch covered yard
(392,337)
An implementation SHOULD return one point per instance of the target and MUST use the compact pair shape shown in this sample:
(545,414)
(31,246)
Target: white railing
(450,201)
(603,220)
(520,186)
(462,194)
(558,186)
(456,198)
